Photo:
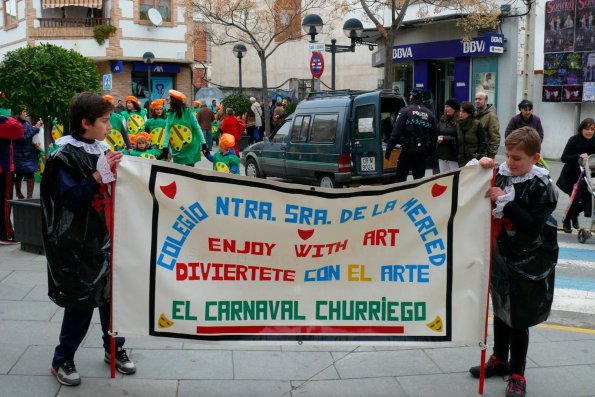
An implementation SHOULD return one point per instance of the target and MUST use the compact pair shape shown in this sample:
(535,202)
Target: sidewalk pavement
(561,360)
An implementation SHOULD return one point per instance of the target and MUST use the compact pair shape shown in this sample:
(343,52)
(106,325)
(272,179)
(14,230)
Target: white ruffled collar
(97,147)
(533,172)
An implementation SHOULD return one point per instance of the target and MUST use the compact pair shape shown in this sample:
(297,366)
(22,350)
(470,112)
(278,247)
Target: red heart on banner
(305,234)
(437,190)
(170,190)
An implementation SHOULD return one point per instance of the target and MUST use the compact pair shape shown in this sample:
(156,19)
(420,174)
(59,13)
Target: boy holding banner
(75,204)
(524,254)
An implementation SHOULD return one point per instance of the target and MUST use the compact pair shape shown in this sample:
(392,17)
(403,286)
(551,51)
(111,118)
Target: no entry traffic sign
(316,64)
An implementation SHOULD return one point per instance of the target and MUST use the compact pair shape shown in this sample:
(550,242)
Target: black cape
(523,271)
(77,243)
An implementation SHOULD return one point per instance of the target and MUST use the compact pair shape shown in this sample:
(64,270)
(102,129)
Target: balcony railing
(73,22)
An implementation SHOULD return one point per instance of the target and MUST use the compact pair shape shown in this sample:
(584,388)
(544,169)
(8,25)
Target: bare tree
(264,25)
(473,14)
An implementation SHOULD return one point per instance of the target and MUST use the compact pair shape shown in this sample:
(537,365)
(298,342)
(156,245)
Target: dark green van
(332,139)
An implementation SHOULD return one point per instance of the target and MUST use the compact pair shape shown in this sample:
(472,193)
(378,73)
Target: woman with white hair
(258,117)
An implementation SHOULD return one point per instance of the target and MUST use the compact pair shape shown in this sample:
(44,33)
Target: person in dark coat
(75,206)
(205,118)
(525,118)
(446,143)
(415,130)
(472,140)
(524,255)
(26,162)
(578,148)
(10,129)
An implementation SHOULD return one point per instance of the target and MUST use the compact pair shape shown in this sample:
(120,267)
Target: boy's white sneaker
(123,363)
(67,374)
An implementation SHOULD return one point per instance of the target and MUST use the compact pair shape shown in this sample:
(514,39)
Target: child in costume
(185,136)
(75,210)
(142,147)
(524,255)
(225,159)
(118,136)
(155,126)
(135,116)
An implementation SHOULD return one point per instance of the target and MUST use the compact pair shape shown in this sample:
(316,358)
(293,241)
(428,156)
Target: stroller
(589,175)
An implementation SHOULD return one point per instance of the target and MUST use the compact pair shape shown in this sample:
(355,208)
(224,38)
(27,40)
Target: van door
(274,151)
(366,148)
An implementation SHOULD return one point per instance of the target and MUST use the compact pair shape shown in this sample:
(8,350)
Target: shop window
(9,11)
(163,6)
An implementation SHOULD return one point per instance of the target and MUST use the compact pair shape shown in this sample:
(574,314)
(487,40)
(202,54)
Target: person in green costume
(134,115)
(225,159)
(185,136)
(155,126)
(142,147)
(117,138)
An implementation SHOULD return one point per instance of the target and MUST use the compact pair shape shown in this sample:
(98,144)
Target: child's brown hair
(525,139)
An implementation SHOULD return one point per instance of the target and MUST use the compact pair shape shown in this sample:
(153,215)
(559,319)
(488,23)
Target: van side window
(282,135)
(324,128)
(364,122)
(299,131)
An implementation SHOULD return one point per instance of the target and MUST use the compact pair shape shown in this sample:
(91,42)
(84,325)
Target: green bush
(290,108)
(102,32)
(238,102)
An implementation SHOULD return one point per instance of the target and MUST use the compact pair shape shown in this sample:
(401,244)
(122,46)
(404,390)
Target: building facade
(74,24)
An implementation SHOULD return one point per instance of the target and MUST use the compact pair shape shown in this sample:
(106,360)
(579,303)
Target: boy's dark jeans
(514,339)
(75,325)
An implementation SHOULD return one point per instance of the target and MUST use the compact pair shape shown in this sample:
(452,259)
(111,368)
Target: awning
(64,3)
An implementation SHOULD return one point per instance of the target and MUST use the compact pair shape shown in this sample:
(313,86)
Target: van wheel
(252,169)
(327,181)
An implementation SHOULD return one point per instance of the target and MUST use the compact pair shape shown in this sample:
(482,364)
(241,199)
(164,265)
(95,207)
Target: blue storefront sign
(490,44)
(117,66)
(156,67)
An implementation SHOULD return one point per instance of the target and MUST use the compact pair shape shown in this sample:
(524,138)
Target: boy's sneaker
(123,363)
(493,367)
(517,386)
(67,374)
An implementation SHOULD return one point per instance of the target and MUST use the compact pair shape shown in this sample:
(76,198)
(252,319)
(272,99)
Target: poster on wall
(559,26)
(486,82)
(563,68)
(551,93)
(588,63)
(572,93)
(584,30)
(588,92)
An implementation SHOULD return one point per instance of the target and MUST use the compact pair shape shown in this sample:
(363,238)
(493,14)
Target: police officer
(415,130)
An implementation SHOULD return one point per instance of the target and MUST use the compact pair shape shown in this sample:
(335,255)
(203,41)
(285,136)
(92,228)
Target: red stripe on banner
(300,329)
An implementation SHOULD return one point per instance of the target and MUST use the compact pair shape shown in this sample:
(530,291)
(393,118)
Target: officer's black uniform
(415,130)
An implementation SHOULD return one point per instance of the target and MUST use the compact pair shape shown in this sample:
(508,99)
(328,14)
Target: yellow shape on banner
(435,325)
(164,322)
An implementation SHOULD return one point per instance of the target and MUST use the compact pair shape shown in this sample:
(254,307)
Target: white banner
(212,256)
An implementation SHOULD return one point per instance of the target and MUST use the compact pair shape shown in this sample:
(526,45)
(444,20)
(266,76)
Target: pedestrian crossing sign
(107,82)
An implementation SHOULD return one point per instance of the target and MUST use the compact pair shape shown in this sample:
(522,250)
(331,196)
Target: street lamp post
(148,58)
(239,51)
(353,29)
